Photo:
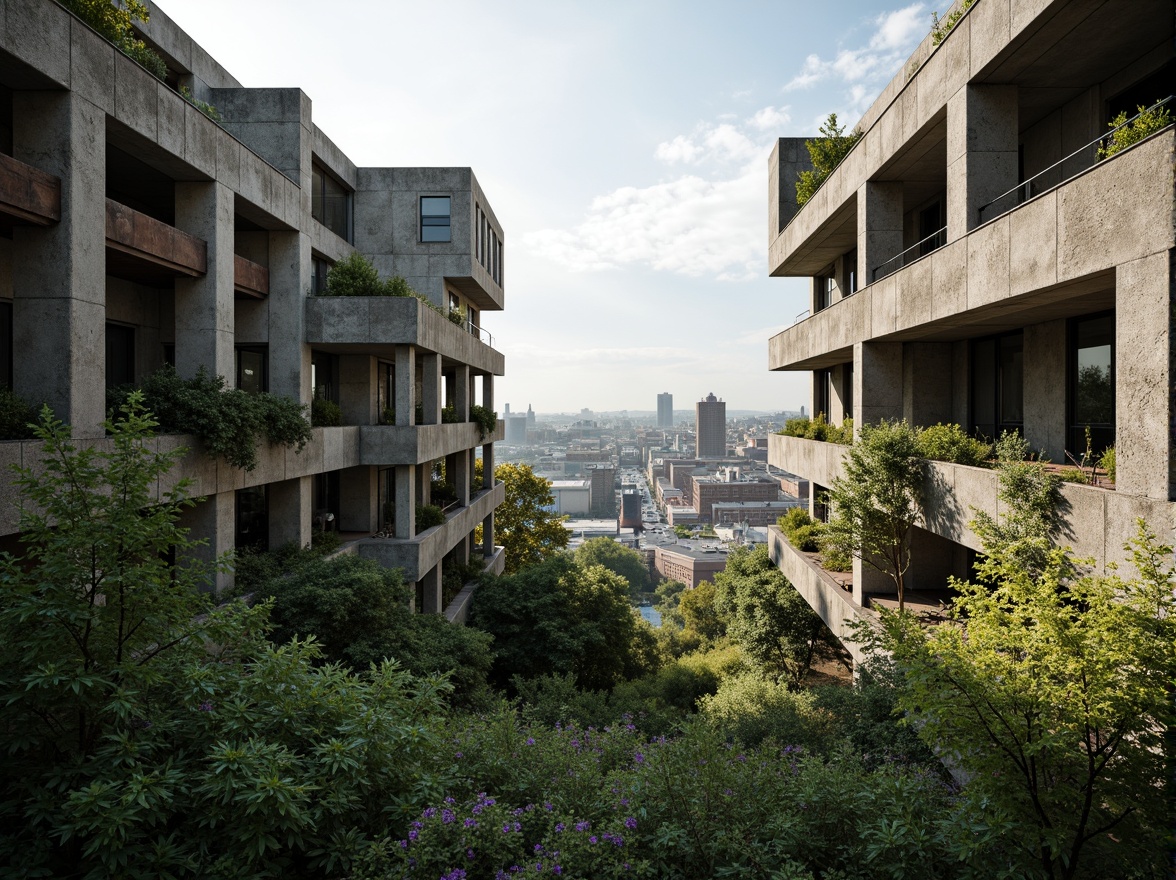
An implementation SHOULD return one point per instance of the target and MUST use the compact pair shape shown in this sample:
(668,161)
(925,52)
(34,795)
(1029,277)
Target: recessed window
(435,218)
(998,381)
(251,370)
(330,202)
(1092,384)
(6,345)
(324,371)
(120,355)
(318,275)
(252,518)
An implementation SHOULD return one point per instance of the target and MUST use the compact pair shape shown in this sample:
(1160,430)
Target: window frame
(422,225)
(319,191)
(1076,433)
(262,350)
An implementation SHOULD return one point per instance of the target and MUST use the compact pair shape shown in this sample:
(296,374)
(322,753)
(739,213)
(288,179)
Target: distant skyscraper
(665,410)
(710,416)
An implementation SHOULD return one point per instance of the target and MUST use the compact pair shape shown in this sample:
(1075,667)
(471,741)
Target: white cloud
(770,119)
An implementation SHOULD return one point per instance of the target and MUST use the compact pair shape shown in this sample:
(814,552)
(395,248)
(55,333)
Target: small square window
(435,218)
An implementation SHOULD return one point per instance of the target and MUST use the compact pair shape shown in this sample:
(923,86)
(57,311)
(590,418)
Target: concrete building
(604,494)
(630,517)
(688,565)
(572,497)
(665,410)
(710,425)
(752,513)
(974,260)
(143,232)
(516,430)
(726,487)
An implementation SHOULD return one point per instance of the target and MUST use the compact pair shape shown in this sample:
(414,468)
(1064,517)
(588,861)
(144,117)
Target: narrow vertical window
(1092,384)
(120,355)
(251,370)
(435,218)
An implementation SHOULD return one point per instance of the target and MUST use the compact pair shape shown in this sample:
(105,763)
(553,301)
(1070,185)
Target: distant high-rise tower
(665,410)
(710,416)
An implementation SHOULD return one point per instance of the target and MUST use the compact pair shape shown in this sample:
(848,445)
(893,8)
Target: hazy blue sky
(623,146)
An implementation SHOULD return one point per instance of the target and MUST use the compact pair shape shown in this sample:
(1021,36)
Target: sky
(622,145)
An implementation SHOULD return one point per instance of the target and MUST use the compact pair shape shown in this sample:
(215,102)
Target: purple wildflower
(414,834)
(583,826)
(530,740)
(630,822)
(471,823)
(447,816)
(639,758)
(592,839)
(559,827)
(206,706)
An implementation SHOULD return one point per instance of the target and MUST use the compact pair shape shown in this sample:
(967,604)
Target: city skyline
(635,186)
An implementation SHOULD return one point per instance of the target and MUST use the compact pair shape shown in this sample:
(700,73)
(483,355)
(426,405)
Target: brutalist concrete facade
(139,231)
(974,260)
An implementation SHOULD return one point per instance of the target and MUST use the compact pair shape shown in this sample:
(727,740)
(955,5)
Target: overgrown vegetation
(1147,122)
(818,428)
(229,422)
(427,516)
(1107,462)
(17,417)
(524,524)
(940,29)
(325,413)
(826,153)
(116,23)
(486,420)
(354,275)
(203,106)
(952,443)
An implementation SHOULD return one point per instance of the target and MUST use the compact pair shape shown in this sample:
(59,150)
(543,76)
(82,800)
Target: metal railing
(916,251)
(481,333)
(1057,174)
(800,317)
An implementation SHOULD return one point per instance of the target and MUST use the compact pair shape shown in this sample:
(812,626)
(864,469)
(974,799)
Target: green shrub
(116,23)
(833,559)
(801,530)
(388,416)
(485,419)
(1011,447)
(203,106)
(457,316)
(427,516)
(1148,122)
(819,429)
(229,422)
(826,153)
(449,415)
(940,29)
(1107,462)
(952,444)
(354,275)
(1073,475)
(750,709)
(325,413)
(17,417)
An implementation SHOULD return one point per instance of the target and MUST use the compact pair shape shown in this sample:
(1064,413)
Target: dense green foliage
(486,420)
(878,499)
(1147,122)
(1107,462)
(116,23)
(559,617)
(952,443)
(525,525)
(17,417)
(325,413)
(826,153)
(618,559)
(354,275)
(229,422)
(427,516)
(819,429)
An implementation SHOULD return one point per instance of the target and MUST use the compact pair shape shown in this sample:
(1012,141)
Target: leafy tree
(699,614)
(878,499)
(558,617)
(1052,693)
(524,524)
(148,734)
(359,615)
(115,22)
(621,560)
(826,153)
(767,617)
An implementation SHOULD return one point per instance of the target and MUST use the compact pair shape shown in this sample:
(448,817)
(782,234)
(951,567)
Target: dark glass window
(6,345)
(324,376)
(822,389)
(326,502)
(930,222)
(998,382)
(825,291)
(251,370)
(435,218)
(386,392)
(318,275)
(253,518)
(120,355)
(1092,383)
(851,270)
(387,488)
(330,203)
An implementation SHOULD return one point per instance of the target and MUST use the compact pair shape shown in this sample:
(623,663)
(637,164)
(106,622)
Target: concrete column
(877,382)
(204,306)
(961,398)
(982,147)
(424,480)
(1145,408)
(213,521)
(405,385)
(357,389)
(789,157)
(460,476)
(58,272)
(461,392)
(1044,398)
(488,535)
(406,500)
(879,226)
(289,355)
(359,499)
(927,383)
(430,365)
(431,583)
(837,396)
(291,505)
(488,465)
(488,391)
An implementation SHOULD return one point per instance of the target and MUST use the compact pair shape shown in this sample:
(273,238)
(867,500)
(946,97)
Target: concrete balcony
(458,610)
(1097,522)
(823,594)
(27,194)
(141,248)
(250,280)
(377,324)
(381,445)
(1051,257)
(417,556)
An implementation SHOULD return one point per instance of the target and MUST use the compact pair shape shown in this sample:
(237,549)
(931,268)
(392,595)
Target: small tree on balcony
(826,153)
(878,499)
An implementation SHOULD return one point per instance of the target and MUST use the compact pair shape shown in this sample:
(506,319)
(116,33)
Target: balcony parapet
(27,194)
(376,324)
(417,556)
(458,610)
(417,444)
(154,242)
(250,279)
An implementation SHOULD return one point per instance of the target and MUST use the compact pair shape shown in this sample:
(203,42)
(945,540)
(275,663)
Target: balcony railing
(481,333)
(1056,174)
(916,251)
